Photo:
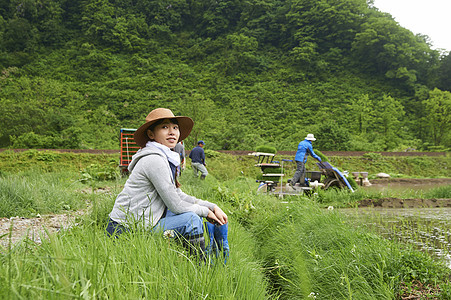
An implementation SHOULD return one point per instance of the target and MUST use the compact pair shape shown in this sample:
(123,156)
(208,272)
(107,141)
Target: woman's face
(165,133)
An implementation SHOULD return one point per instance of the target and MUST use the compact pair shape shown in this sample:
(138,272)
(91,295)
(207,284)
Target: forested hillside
(248,72)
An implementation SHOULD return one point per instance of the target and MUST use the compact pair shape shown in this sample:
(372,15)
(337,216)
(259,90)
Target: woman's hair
(177,183)
(158,122)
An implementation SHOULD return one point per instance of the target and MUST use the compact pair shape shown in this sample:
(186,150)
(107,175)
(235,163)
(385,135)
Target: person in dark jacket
(197,156)
(305,149)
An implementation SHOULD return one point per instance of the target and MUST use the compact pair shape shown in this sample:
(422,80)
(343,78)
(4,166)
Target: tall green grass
(439,192)
(84,263)
(312,251)
(35,193)
(290,249)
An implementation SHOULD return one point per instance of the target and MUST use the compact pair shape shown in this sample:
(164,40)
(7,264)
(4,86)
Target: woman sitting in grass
(151,198)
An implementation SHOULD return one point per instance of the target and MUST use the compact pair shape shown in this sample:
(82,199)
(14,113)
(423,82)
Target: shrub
(211,153)
(100,172)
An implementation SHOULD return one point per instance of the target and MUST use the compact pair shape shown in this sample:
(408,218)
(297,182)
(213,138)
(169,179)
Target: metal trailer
(128,148)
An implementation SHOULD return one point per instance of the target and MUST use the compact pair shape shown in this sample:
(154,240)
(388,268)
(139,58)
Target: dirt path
(422,181)
(245,152)
(15,229)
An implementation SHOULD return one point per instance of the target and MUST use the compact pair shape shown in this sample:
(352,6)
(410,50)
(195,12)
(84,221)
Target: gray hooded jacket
(150,189)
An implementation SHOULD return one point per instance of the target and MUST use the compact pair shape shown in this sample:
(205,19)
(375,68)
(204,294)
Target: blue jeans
(186,224)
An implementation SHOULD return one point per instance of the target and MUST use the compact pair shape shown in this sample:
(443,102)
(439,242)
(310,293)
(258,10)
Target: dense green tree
(444,73)
(362,108)
(256,18)
(384,47)
(18,35)
(388,115)
(328,23)
(166,12)
(2,33)
(219,17)
(249,72)
(238,54)
(438,117)
(332,137)
(107,24)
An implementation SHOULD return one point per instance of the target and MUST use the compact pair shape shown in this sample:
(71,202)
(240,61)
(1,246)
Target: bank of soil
(390,202)
(405,203)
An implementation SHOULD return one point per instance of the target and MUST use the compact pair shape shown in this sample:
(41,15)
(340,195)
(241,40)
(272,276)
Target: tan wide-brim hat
(185,125)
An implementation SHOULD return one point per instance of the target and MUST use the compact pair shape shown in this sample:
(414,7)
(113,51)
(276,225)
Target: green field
(291,249)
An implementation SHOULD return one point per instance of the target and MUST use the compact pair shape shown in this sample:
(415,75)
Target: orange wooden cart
(128,148)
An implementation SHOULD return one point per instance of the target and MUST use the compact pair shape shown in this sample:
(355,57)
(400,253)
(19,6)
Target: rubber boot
(196,247)
(212,247)
(218,240)
(202,177)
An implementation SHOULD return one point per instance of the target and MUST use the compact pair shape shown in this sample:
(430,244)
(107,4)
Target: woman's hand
(217,216)
(213,219)
(222,217)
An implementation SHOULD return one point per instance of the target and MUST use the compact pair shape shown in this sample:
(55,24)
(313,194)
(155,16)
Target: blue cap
(201,142)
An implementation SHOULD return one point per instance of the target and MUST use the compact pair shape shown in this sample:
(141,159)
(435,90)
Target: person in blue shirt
(197,156)
(305,149)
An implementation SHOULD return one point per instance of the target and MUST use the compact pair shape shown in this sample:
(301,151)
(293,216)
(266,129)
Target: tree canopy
(248,72)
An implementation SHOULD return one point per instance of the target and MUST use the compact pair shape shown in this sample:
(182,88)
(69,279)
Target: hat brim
(185,126)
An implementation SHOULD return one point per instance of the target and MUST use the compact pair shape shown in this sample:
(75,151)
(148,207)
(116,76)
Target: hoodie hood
(141,153)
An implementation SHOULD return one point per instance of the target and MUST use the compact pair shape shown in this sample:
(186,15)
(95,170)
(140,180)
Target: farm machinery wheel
(266,187)
(332,183)
(262,188)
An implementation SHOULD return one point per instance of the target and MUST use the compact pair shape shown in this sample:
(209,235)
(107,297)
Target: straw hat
(310,137)
(185,125)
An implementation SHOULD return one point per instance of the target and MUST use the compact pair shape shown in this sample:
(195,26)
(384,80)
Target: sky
(428,17)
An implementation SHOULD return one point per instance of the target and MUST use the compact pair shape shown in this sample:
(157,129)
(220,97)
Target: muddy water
(428,229)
